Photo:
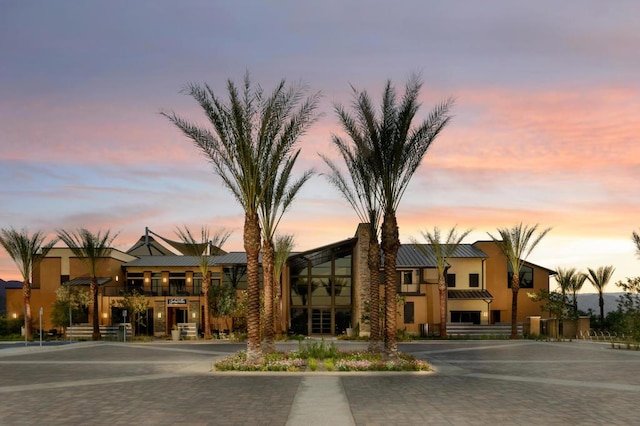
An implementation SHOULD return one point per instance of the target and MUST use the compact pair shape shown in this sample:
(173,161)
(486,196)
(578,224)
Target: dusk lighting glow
(545,127)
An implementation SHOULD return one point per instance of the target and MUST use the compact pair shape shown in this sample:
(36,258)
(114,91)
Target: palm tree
(253,135)
(283,247)
(635,236)
(203,250)
(516,244)
(25,250)
(442,251)
(575,286)
(393,148)
(599,280)
(361,193)
(279,194)
(91,249)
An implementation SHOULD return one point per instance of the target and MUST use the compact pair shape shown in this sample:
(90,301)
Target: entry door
(321,321)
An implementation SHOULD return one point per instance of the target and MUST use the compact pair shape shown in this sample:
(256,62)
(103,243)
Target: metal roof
(87,281)
(233,258)
(409,256)
(469,294)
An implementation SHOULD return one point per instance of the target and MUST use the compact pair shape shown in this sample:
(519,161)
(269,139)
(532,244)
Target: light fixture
(159,315)
(193,315)
(104,315)
(117,278)
(15,315)
(164,279)
(188,279)
(146,279)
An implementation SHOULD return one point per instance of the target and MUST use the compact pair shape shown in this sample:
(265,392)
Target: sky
(544,131)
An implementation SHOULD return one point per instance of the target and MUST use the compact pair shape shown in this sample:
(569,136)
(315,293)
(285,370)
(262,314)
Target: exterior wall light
(104,315)
(159,315)
(193,315)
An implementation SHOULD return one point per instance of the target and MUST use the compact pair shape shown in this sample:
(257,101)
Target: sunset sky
(545,127)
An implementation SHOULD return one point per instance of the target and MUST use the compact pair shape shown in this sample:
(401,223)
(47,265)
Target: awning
(87,281)
(469,295)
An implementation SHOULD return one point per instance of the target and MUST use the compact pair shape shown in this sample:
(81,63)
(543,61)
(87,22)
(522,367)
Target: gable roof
(410,256)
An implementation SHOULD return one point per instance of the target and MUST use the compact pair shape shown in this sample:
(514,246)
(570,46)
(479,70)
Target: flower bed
(319,357)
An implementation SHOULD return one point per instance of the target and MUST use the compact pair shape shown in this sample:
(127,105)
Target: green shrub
(313,364)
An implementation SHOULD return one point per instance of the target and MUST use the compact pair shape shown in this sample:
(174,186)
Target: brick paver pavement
(475,382)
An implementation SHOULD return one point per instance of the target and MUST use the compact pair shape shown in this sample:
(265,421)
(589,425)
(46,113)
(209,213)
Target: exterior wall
(496,284)
(462,267)
(420,310)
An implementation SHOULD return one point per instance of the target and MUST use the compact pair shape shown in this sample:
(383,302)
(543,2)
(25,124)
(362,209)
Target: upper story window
(526,276)
(474,280)
(409,282)
(451,280)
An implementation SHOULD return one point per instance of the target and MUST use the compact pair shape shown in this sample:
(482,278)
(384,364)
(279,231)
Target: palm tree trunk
(205,293)
(267,274)
(515,286)
(252,248)
(390,246)
(601,303)
(373,260)
(26,294)
(442,290)
(93,288)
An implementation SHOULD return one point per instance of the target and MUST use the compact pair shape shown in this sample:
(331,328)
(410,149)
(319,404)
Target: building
(324,290)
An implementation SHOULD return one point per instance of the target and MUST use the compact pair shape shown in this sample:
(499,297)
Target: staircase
(467,329)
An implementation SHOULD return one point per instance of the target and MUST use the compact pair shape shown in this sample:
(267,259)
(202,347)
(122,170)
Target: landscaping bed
(317,356)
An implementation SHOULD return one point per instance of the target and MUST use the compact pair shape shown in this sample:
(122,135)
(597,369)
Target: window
(451,280)
(197,284)
(526,276)
(177,284)
(156,283)
(407,282)
(408,313)
(474,280)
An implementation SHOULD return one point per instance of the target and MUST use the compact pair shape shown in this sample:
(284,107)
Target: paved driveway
(475,382)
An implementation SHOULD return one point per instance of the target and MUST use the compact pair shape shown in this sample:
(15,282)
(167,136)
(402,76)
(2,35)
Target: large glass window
(526,276)
(321,280)
(135,281)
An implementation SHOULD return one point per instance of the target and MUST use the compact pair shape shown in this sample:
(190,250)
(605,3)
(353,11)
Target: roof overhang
(85,281)
(469,295)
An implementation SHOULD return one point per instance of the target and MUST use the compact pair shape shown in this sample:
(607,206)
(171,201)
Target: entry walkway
(475,382)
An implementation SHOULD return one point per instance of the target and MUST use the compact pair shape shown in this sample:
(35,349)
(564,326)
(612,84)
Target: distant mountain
(588,301)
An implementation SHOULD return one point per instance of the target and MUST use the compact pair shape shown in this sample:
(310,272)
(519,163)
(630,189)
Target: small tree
(599,279)
(516,244)
(25,250)
(223,301)
(203,250)
(136,305)
(71,301)
(442,249)
(635,236)
(628,313)
(91,249)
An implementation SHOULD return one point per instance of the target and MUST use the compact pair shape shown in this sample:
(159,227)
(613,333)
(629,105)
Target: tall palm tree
(360,191)
(599,279)
(252,135)
(91,249)
(576,285)
(279,194)
(393,148)
(442,251)
(517,243)
(283,247)
(25,250)
(203,250)
(635,236)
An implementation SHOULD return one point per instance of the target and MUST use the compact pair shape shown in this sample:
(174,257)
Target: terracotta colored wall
(496,284)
